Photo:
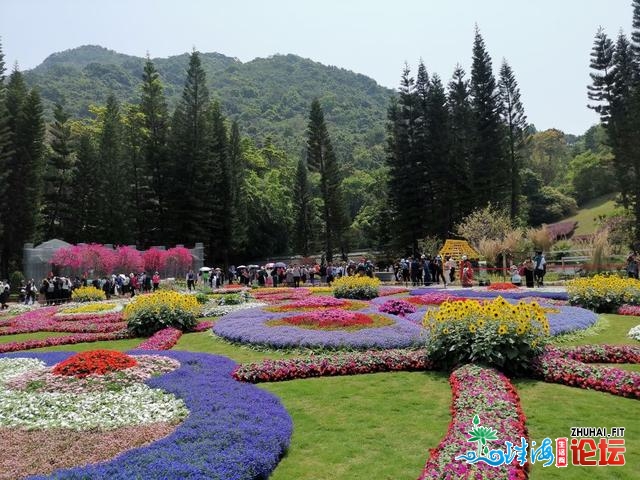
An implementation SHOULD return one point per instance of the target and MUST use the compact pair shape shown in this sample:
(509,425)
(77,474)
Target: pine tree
(153,105)
(114,195)
(461,135)
(25,168)
(6,152)
(321,158)
(189,153)
(516,122)
(58,176)
(489,170)
(601,90)
(303,211)
(237,168)
(84,218)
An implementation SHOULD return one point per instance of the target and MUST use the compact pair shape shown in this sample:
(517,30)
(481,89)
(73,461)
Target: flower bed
(491,396)
(352,363)
(566,366)
(273,295)
(470,293)
(146,314)
(163,339)
(396,306)
(358,288)
(45,319)
(65,340)
(220,310)
(315,303)
(94,362)
(569,319)
(632,310)
(88,294)
(333,319)
(603,293)
(385,291)
(233,430)
(434,298)
(634,333)
(101,307)
(250,327)
(500,286)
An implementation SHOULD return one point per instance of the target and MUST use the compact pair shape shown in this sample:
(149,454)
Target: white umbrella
(240,266)
(205,269)
(254,266)
(269,265)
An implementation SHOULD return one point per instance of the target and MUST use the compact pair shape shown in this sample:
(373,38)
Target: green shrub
(15,280)
(202,298)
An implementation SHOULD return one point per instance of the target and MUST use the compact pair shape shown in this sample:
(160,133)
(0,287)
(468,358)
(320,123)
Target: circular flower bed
(234,430)
(97,362)
(259,327)
(315,303)
(333,319)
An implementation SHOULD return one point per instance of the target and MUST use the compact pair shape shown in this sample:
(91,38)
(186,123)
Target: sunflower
(502,329)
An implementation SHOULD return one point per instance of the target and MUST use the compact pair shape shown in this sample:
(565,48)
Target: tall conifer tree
(237,167)
(489,170)
(516,122)
(84,218)
(6,151)
(58,176)
(321,158)
(303,211)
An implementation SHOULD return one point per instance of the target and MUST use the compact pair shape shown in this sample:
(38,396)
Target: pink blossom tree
(179,260)
(128,260)
(99,259)
(154,259)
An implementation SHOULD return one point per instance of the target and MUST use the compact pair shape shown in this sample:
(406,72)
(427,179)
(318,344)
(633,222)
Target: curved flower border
(469,293)
(233,431)
(249,326)
(490,395)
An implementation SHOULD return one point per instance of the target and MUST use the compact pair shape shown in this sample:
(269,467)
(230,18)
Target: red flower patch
(95,362)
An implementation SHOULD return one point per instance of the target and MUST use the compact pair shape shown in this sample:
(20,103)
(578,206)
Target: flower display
(603,293)
(88,294)
(433,298)
(567,367)
(384,291)
(634,333)
(495,333)
(356,287)
(349,363)
(216,310)
(274,295)
(632,310)
(502,286)
(107,408)
(490,395)
(602,353)
(250,327)
(163,339)
(89,308)
(146,314)
(234,430)
(94,362)
(568,319)
(65,340)
(314,303)
(470,293)
(398,307)
(333,319)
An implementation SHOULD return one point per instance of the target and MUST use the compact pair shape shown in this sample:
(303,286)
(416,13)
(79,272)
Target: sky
(546,42)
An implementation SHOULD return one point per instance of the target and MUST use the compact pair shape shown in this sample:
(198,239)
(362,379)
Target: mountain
(268,96)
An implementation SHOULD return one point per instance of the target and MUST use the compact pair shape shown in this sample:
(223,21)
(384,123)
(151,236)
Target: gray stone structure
(36,261)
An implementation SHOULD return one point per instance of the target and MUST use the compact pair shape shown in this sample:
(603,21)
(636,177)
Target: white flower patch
(132,405)
(219,310)
(634,333)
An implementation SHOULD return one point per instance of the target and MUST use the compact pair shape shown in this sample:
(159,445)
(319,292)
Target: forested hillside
(268,96)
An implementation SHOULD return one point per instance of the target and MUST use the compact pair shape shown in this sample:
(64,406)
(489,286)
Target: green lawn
(590,211)
(381,426)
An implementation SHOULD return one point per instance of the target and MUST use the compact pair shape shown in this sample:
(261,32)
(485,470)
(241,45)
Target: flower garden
(370,382)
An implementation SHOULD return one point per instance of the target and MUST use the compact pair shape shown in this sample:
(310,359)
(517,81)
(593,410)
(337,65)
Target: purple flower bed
(249,326)
(570,319)
(396,306)
(234,431)
(469,293)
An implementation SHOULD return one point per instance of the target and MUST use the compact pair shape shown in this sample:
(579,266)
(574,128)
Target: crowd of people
(431,269)
(533,269)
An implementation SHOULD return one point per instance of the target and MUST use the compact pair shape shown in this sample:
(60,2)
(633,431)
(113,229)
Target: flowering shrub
(397,307)
(163,339)
(502,286)
(93,362)
(333,319)
(245,438)
(201,298)
(495,333)
(146,314)
(89,308)
(351,363)
(632,310)
(88,294)
(568,368)
(314,303)
(359,288)
(491,396)
(634,333)
(603,293)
